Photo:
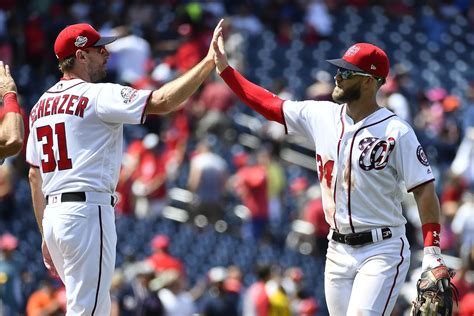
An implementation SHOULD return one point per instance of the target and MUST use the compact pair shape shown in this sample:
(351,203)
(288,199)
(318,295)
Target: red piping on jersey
(142,119)
(396,276)
(66,88)
(32,165)
(350,168)
(419,185)
(337,159)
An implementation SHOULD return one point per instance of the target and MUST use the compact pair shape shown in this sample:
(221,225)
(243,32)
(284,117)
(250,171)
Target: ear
(80,54)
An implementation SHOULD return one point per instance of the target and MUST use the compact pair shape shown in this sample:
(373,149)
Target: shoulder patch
(128,94)
(420,154)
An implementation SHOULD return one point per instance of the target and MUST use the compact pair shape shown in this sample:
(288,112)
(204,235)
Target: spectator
(149,185)
(218,300)
(136,298)
(171,288)
(129,47)
(275,185)
(10,284)
(256,301)
(207,178)
(44,301)
(161,260)
(250,183)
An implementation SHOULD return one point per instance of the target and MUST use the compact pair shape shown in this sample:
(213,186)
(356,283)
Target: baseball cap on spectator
(364,57)
(160,242)
(78,36)
(217,274)
(8,242)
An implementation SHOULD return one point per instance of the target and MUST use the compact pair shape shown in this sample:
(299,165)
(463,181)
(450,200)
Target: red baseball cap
(160,242)
(78,36)
(364,57)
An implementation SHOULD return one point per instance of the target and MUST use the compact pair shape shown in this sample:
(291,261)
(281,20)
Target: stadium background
(281,45)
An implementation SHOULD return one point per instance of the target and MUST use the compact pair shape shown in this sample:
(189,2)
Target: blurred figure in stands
(10,279)
(218,300)
(161,260)
(171,288)
(129,47)
(136,298)
(149,186)
(45,301)
(275,185)
(250,184)
(256,301)
(208,174)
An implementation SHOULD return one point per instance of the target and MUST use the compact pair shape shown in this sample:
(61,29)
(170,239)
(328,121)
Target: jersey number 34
(62,162)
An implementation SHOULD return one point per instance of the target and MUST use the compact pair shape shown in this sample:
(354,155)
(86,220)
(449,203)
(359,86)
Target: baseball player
(365,157)
(75,152)
(11,121)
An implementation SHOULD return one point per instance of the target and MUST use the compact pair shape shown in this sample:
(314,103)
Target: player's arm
(11,128)
(259,99)
(170,97)
(429,210)
(39,202)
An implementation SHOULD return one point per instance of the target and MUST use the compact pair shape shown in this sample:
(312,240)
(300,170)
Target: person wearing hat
(161,260)
(75,151)
(366,158)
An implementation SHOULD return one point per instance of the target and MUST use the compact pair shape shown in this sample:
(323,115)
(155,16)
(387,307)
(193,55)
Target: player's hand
(6,81)
(220,57)
(432,258)
(217,31)
(48,262)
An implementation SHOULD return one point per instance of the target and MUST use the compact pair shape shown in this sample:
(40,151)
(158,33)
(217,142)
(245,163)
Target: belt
(362,238)
(72,197)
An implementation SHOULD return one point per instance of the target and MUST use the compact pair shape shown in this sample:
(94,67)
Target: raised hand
(220,57)
(217,31)
(6,81)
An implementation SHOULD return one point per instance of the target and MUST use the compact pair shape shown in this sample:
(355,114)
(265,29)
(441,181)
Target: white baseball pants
(81,239)
(365,280)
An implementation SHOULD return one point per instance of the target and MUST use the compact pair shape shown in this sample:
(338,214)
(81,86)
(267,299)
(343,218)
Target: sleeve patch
(128,94)
(420,154)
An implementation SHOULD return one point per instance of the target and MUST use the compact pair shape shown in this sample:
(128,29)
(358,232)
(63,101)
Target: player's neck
(75,75)
(359,110)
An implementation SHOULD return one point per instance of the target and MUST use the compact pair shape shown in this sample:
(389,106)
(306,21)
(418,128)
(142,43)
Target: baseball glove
(435,293)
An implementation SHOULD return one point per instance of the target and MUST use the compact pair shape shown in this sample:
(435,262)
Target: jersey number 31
(63,162)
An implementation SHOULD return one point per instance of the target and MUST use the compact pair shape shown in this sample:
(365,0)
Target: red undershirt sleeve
(256,97)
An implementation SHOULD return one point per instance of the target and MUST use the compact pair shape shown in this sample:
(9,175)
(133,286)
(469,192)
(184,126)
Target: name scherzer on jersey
(362,167)
(76,134)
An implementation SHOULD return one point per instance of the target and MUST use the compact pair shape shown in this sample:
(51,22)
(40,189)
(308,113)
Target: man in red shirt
(161,260)
(251,185)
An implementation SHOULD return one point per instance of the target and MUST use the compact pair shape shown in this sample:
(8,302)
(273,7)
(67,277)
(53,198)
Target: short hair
(67,63)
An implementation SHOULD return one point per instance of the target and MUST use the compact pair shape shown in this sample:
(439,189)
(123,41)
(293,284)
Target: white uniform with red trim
(363,169)
(76,136)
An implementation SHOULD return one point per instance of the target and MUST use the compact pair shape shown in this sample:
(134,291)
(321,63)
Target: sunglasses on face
(347,74)
(99,49)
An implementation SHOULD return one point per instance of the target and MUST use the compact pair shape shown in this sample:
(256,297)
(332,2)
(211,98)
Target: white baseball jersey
(362,167)
(76,134)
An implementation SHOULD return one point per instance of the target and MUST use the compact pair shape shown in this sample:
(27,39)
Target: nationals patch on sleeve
(128,94)
(420,154)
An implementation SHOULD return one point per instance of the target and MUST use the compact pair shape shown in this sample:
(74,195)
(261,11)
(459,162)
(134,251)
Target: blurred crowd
(221,164)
